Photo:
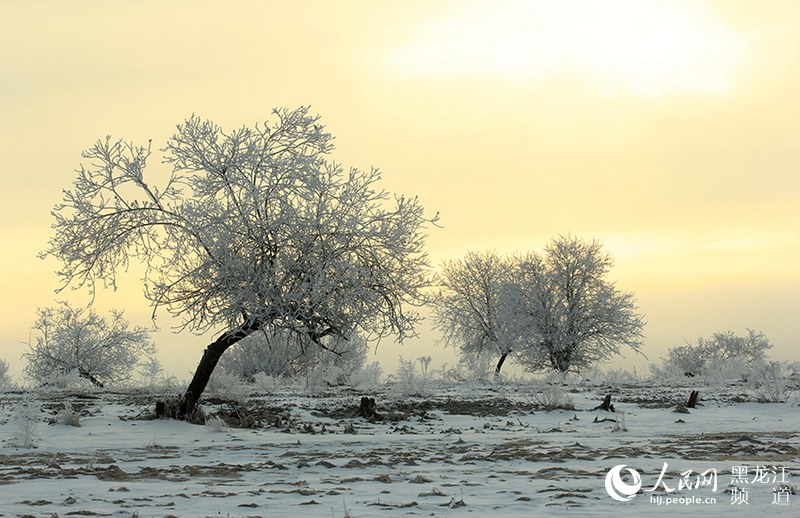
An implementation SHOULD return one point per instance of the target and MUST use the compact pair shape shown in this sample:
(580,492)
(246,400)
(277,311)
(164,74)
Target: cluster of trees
(552,310)
(257,234)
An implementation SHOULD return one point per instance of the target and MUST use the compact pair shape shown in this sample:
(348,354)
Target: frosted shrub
(322,377)
(267,383)
(619,422)
(67,381)
(287,354)
(26,415)
(719,371)
(474,367)
(405,379)
(614,376)
(552,397)
(216,425)
(153,375)
(708,354)
(410,382)
(667,372)
(5,379)
(228,385)
(68,416)
(771,383)
(368,376)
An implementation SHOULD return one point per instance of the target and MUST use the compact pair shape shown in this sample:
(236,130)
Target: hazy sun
(650,47)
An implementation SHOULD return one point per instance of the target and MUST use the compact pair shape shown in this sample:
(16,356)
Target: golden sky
(668,130)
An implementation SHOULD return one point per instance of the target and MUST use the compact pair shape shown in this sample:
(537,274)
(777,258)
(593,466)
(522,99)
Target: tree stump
(367,409)
(606,404)
(693,397)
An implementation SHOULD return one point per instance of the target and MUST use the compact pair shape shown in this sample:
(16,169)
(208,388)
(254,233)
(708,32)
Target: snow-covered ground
(455,450)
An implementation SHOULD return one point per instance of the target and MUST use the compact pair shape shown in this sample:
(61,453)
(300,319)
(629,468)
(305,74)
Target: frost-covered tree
(250,230)
(570,315)
(283,353)
(469,307)
(69,340)
(692,359)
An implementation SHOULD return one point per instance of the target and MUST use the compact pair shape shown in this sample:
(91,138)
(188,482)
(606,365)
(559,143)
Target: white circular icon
(617,488)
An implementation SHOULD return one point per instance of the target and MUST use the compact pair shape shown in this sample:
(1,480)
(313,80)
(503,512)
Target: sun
(648,47)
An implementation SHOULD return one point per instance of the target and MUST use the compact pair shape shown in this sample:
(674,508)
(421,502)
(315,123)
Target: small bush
(553,397)
(27,415)
(772,383)
(619,422)
(153,375)
(283,353)
(408,381)
(323,376)
(68,416)
(228,385)
(66,381)
(5,379)
(216,424)
(474,367)
(368,376)
(268,383)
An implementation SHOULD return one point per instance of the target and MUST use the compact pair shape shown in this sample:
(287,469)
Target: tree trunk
(500,363)
(693,397)
(88,375)
(208,362)
(561,360)
(367,409)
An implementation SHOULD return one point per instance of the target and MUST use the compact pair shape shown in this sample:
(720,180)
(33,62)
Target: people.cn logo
(617,488)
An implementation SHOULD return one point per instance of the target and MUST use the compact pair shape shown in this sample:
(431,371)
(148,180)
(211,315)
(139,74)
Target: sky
(667,130)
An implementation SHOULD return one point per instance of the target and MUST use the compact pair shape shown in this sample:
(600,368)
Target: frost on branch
(251,229)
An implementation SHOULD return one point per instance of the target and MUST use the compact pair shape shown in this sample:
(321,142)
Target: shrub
(287,354)
(216,424)
(27,416)
(553,397)
(68,416)
(707,354)
(368,376)
(153,374)
(772,382)
(474,367)
(5,379)
(227,385)
(408,381)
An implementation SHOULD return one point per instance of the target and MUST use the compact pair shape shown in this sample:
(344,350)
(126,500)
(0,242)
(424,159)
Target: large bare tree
(253,229)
